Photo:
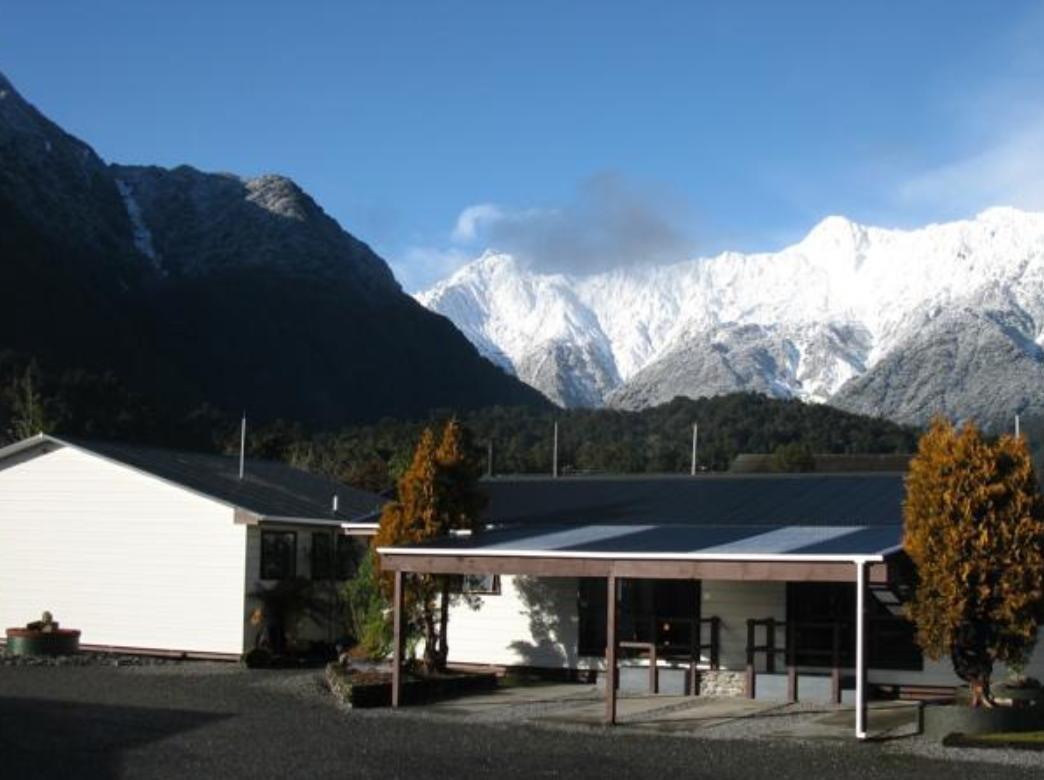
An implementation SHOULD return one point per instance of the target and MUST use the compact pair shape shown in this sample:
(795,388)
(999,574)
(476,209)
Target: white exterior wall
(532,622)
(735,603)
(126,558)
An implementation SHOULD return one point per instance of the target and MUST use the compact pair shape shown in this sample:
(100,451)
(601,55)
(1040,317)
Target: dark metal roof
(703,500)
(268,488)
(673,541)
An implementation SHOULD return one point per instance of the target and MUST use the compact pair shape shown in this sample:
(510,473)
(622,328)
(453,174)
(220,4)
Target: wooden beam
(780,571)
(397,602)
(610,649)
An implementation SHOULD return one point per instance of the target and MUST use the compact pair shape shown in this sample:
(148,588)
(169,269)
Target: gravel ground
(85,659)
(219,720)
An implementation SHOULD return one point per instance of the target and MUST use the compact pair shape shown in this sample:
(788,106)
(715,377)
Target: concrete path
(584,705)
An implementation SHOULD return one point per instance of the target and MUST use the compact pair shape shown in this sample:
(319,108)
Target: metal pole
(397,639)
(242,445)
(695,438)
(860,719)
(610,650)
(554,460)
(1016,426)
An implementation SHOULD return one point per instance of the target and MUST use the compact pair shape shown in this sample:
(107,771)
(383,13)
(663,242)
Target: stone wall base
(720,682)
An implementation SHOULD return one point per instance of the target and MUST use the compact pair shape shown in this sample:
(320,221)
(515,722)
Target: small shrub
(257,658)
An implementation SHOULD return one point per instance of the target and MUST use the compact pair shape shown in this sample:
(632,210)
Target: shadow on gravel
(49,738)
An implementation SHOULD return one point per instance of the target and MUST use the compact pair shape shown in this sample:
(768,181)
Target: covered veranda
(861,555)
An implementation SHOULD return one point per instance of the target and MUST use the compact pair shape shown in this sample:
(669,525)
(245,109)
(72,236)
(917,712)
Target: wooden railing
(772,629)
(695,649)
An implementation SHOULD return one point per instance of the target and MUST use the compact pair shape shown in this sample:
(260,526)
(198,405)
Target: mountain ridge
(200,289)
(802,322)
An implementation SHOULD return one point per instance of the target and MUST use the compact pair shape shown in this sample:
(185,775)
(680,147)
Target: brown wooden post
(835,663)
(770,642)
(397,639)
(654,671)
(610,649)
(715,657)
(791,649)
(751,673)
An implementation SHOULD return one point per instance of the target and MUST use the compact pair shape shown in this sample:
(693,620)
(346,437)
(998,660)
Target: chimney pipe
(489,458)
(336,501)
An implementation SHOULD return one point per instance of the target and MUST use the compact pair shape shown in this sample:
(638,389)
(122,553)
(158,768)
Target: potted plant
(43,637)
(974,530)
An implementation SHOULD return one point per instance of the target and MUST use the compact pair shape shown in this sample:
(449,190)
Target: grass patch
(1019,740)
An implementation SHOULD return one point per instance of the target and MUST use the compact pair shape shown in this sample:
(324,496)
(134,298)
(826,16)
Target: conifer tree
(974,529)
(436,494)
(461,503)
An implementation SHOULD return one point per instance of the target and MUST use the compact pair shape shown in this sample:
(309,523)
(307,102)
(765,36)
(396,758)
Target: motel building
(773,586)
(784,587)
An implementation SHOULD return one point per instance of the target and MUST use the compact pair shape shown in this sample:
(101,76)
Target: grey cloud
(611,222)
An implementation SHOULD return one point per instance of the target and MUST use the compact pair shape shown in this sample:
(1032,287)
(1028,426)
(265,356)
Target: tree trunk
(443,653)
(430,660)
(973,664)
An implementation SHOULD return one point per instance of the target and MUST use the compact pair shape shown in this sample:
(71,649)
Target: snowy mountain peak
(805,322)
(834,235)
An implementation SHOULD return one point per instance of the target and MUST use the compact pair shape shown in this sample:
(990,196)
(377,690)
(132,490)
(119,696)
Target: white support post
(860,662)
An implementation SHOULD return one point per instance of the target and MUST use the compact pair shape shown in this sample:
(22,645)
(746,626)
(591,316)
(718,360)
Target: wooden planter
(62,641)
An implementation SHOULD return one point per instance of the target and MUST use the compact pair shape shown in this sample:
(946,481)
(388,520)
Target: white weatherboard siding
(128,559)
(532,622)
(735,603)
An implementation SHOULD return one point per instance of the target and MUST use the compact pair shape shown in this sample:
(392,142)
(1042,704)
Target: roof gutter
(636,556)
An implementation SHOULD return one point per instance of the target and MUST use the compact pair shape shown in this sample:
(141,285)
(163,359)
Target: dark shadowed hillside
(192,288)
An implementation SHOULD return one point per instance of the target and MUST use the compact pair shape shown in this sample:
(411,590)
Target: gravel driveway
(214,720)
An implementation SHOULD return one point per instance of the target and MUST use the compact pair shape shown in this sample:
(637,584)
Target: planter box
(377,693)
(61,641)
(942,720)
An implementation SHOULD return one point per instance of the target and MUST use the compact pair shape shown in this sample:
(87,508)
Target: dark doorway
(664,612)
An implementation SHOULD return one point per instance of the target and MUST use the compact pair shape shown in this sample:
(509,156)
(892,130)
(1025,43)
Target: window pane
(322,556)
(278,555)
(481,583)
(347,557)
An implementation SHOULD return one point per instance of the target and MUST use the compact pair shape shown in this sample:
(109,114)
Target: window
(278,555)
(665,612)
(592,605)
(333,556)
(485,584)
(816,606)
(322,555)
(347,562)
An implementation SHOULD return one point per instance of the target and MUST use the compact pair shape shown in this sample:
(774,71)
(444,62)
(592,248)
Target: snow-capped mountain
(903,323)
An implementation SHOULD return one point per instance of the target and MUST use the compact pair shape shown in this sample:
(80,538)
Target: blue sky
(562,129)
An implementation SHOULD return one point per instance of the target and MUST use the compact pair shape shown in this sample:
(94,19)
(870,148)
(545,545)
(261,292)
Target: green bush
(366,612)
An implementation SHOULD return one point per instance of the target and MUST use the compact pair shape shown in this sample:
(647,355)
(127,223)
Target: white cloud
(471,220)
(1008,172)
